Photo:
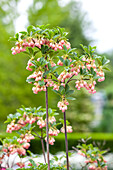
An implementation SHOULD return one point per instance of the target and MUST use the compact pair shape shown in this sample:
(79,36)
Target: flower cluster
(12,126)
(24,139)
(51,140)
(41,123)
(95,159)
(89,86)
(29,64)
(29,117)
(53,131)
(20,164)
(10,148)
(37,76)
(91,64)
(34,42)
(62,105)
(85,69)
(68,129)
(64,75)
(30,164)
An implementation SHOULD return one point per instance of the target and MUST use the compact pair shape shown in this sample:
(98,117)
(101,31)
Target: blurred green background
(14,91)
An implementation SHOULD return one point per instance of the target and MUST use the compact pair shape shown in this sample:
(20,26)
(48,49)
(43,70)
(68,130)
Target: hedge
(104,140)
(73,140)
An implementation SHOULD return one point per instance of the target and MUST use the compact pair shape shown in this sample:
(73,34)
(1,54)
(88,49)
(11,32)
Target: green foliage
(80,112)
(94,156)
(8,12)
(42,166)
(106,121)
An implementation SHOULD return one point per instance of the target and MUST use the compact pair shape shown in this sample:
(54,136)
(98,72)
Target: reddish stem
(66,141)
(42,142)
(47,129)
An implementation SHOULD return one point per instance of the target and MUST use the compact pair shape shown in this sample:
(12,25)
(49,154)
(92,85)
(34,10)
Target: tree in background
(80,113)
(8,13)
(56,13)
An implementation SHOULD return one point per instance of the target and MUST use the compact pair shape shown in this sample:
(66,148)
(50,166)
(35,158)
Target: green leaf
(56,158)
(46,73)
(10,116)
(84,48)
(42,61)
(30,50)
(33,163)
(26,52)
(44,48)
(69,92)
(84,71)
(57,92)
(56,74)
(61,88)
(22,37)
(35,52)
(23,32)
(71,50)
(92,71)
(99,61)
(12,39)
(17,36)
(54,68)
(49,66)
(67,62)
(17,115)
(61,120)
(50,111)
(67,87)
(30,80)
(106,68)
(70,98)
(30,28)
(105,61)
(56,36)
(18,132)
(41,83)
(61,59)
(32,61)
(81,72)
(1,147)
(65,48)
(97,77)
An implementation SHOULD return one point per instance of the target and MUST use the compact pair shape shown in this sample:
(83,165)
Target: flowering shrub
(25,122)
(52,63)
(94,156)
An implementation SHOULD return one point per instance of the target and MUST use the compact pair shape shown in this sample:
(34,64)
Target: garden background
(15,91)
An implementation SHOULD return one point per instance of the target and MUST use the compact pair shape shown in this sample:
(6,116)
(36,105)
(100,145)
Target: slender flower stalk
(42,142)
(66,141)
(47,129)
